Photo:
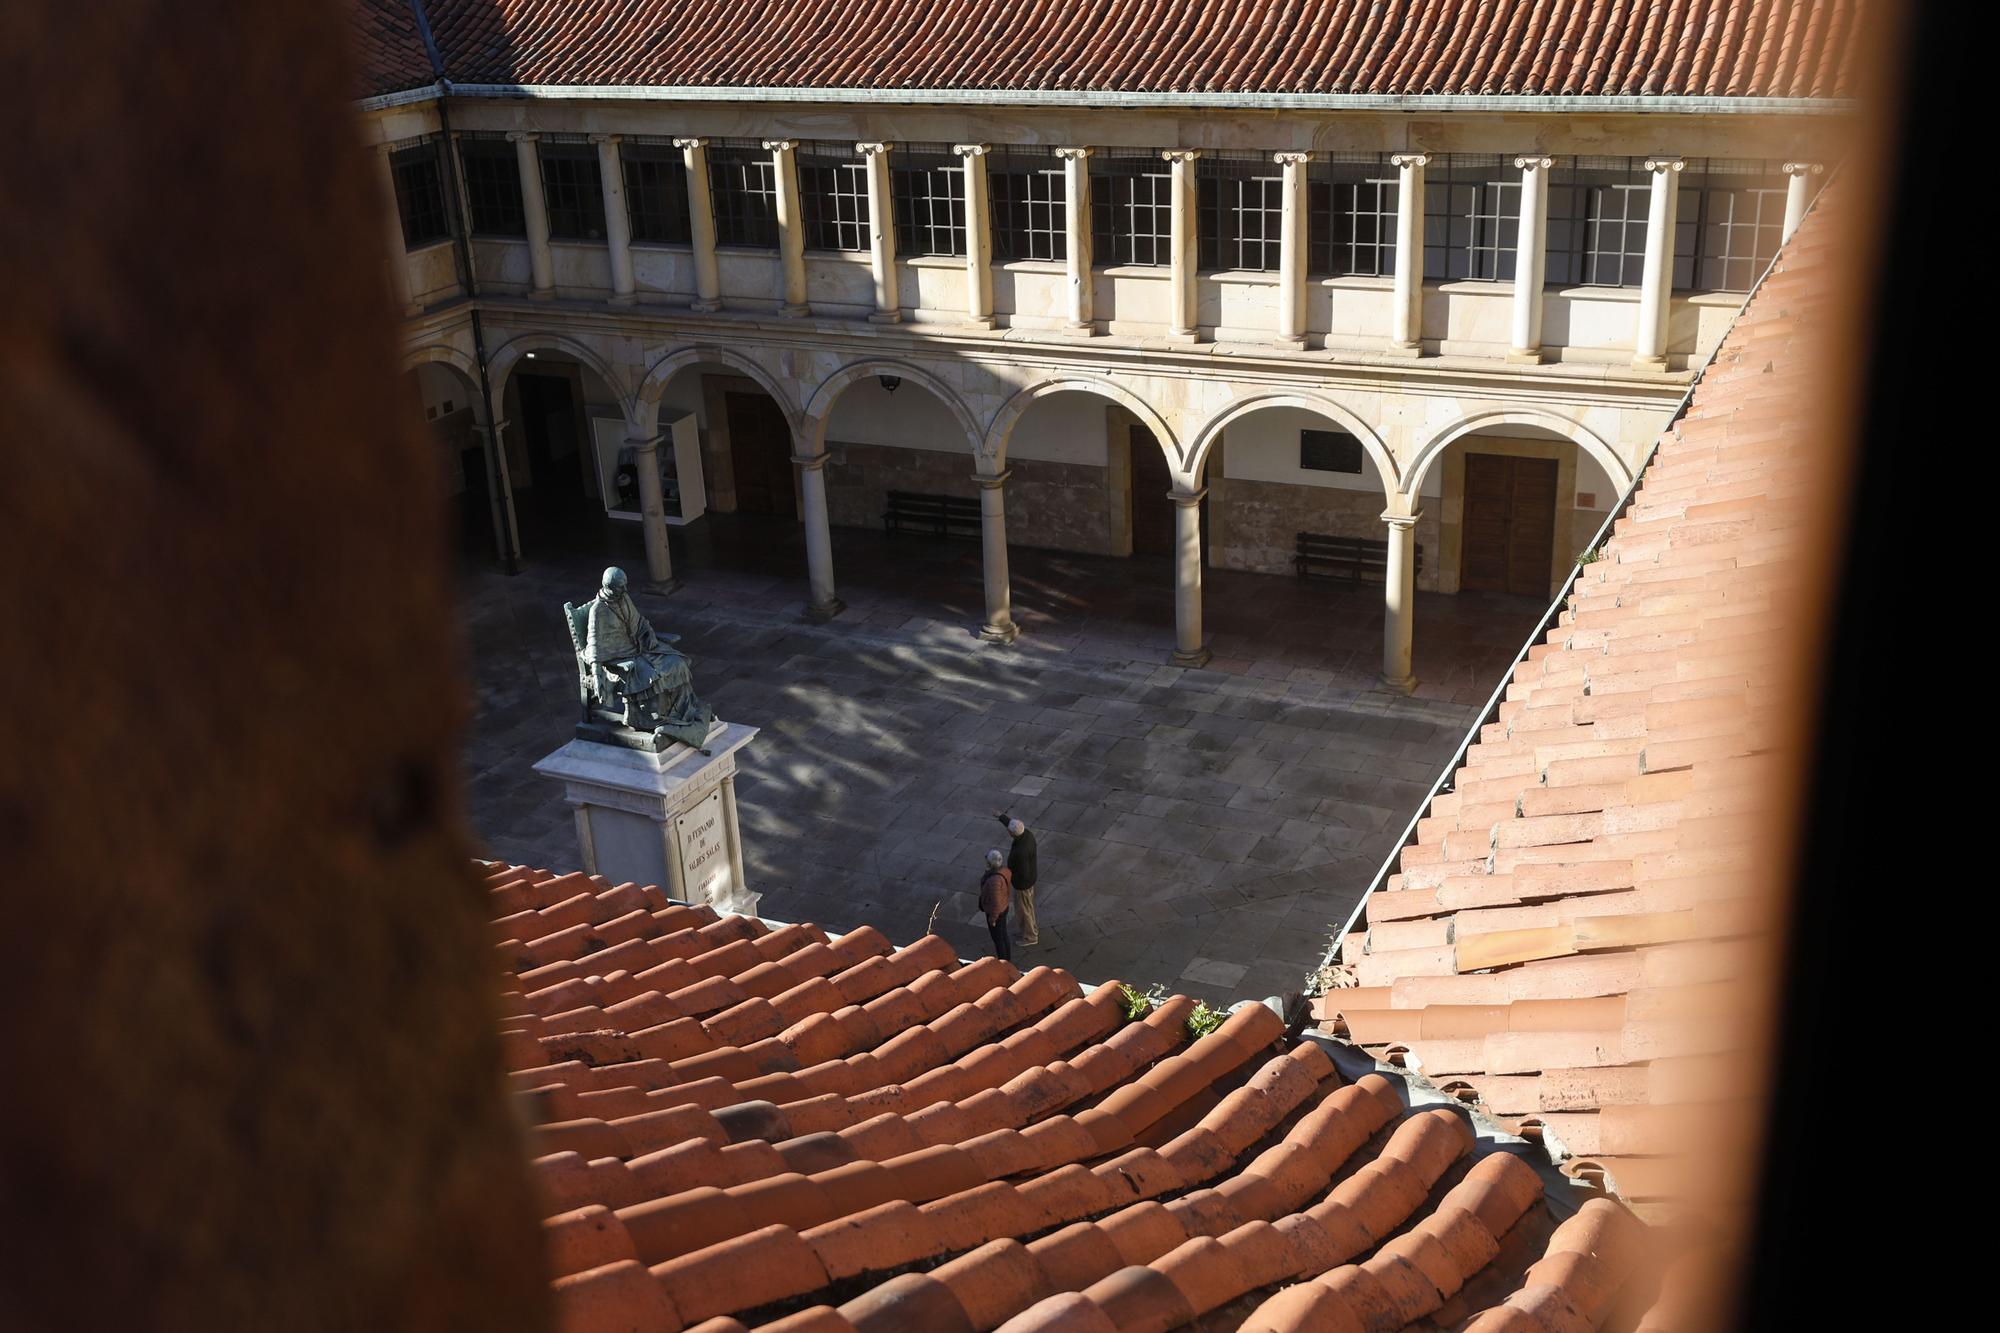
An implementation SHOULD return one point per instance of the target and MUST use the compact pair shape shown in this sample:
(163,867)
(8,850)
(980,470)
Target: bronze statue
(635,690)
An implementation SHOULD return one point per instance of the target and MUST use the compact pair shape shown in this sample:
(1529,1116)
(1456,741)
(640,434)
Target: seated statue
(629,676)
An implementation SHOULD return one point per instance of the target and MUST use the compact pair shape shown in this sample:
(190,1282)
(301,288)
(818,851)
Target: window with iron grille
(1132,210)
(1728,226)
(743,185)
(1329,451)
(929,192)
(1030,204)
(1472,218)
(1351,219)
(656,193)
(833,195)
(1597,223)
(493,187)
(1239,213)
(573,191)
(419,195)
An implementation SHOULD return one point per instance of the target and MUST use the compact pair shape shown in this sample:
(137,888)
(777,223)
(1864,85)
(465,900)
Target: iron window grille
(1239,213)
(656,193)
(1132,209)
(929,193)
(1597,223)
(1351,218)
(1728,224)
(493,187)
(1329,451)
(1030,204)
(1472,218)
(833,193)
(743,186)
(573,191)
(419,179)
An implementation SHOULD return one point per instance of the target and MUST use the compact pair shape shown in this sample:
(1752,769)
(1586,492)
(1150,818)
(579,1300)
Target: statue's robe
(620,636)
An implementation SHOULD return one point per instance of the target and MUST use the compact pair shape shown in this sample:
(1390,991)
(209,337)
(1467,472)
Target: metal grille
(493,187)
(1597,223)
(419,194)
(573,190)
(743,186)
(1351,211)
(1472,218)
(1131,210)
(1729,222)
(656,194)
(1030,205)
(929,190)
(833,191)
(1239,213)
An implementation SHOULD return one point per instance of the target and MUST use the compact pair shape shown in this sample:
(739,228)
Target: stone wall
(1055,506)
(1254,523)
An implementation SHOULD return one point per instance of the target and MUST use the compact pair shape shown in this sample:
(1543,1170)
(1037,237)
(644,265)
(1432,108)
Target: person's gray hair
(1016,827)
(995,859)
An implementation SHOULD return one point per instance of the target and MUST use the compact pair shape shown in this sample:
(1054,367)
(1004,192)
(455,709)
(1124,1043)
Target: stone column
(1182,246)
(1649,345)
(399,250)
(978,237)
(881,233)
(1799,192)
(999,626)
(500,490)
(1076,237)
(653,512)
(535,209)
(1189,649)
(822,604)
(701,225)
(1399,597)
(617,222)
(791,226)
(735,835)
(1530,260)
(1406,333)
(1292,242)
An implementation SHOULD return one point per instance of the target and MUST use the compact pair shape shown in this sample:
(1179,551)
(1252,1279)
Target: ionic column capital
(1660,164)
(1291,159)
(780,145)
(1534,162)
(1400,160)
(1803,168)
(694,142)
(993,481)
(1188,499)
(1180,154)
(523,136)
(1072,154)
(607,138)
(971,149)
(872,149)
(1408,520)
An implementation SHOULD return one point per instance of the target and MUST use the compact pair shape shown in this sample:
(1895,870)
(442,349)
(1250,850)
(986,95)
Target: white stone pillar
(742,900)
(791,226)
(822,604)
(1399,598)
(978,237)
(1292,242)
(881,233)
(1530,260)
(1799,192)
(1649,345)
(701,225)
(399,250)
(1076,237)
(1406,332)
(1182,245)
(653,512)
(1189,649)
(617,222)
(999,626)
(535,209)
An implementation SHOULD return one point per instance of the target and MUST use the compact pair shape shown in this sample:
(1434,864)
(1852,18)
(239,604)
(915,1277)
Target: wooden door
(1510,524)
(760,449)
(1152,511)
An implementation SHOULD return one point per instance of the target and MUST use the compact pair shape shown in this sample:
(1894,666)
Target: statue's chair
(598,693)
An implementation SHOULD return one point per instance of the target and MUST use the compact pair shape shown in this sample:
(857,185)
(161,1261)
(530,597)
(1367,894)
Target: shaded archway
(444,387)
(564,423)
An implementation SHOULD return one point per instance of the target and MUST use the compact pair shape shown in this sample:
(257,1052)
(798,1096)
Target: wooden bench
(939,515)
(1318,555)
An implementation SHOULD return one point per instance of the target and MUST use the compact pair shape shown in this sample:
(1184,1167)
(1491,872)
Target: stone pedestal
(667,819)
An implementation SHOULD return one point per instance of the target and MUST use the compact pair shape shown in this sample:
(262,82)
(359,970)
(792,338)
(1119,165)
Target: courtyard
(1204,829)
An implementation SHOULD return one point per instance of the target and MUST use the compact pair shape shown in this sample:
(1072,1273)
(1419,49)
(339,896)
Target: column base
(1524,356)
(1081,328)
(1006,633)
(794,311)
(981,322)
(1402,686)
(886,317)
(706,307)
(542,294)
(1184,335)
(623,298)
(1198,658)
(1653,363)
(666,587)
(1291,343)
(820,613)
(1405,349)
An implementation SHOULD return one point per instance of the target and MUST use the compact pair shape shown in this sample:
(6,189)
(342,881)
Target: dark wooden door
(1152,511)
(760,450)
(1510,524)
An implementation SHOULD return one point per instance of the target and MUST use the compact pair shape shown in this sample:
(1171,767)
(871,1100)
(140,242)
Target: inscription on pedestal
(704,846)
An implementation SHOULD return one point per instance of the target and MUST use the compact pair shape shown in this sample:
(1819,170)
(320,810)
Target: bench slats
(941,515)
(1322,555)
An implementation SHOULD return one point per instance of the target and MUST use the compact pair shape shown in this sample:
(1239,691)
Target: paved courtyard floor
(1208,830)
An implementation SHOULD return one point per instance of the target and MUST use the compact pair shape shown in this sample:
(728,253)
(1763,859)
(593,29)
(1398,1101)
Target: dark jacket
(1021,857)
(996,894)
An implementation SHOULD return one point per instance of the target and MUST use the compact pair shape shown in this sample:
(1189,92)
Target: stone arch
(442,354)
(993,448)
(820,410)
(509,356)
(1212,430)
(1575,432)
(646,404)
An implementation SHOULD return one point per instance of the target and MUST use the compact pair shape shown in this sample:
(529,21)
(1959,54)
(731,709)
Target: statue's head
(614,583)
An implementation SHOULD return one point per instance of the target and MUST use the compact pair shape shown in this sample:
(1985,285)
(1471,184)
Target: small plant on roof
(1139,1004)
(1204,1020)
(1592,556)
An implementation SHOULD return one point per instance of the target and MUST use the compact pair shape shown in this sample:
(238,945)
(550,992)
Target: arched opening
(564,434)
(453,423)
